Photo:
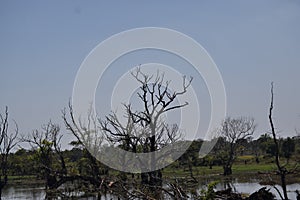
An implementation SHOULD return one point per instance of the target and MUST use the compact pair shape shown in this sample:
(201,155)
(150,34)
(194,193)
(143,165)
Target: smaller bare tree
(282,171)
(46,142)
(233,131)
(7,142)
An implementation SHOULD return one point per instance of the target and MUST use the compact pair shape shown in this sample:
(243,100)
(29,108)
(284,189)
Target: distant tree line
(26,162)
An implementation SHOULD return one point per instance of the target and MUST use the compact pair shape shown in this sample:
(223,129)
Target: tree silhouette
(145,128)
(233,131)
(8,140)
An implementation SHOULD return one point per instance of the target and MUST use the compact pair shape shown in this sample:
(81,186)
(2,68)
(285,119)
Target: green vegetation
(23,164)
(24,167)
(209,193)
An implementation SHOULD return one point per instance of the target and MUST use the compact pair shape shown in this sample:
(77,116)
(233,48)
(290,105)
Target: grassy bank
(265,172)
(216,170)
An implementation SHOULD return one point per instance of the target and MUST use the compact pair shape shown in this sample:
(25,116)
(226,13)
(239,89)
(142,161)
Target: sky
(43,44)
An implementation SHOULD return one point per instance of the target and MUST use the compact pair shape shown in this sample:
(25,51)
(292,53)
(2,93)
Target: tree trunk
(227,170)
(283,184)
(51,182)
(191,172)
(144,177)
(155,178)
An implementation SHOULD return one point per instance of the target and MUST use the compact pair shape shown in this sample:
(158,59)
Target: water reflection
(37,192)
(250,187)
(23,192)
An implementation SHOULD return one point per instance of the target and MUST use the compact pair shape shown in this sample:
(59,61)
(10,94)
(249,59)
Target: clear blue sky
(42,44)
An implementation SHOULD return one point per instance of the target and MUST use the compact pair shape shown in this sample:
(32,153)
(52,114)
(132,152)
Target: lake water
(251,187)
(20,192)
(38,193)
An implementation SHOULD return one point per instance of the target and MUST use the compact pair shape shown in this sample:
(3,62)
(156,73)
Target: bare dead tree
(282,171)
(85,133)
(8,140)
(47,144)
(146,127)
(157,100)
(233,131)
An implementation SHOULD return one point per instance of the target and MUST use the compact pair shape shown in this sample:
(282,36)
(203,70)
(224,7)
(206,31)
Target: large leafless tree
(145,127)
